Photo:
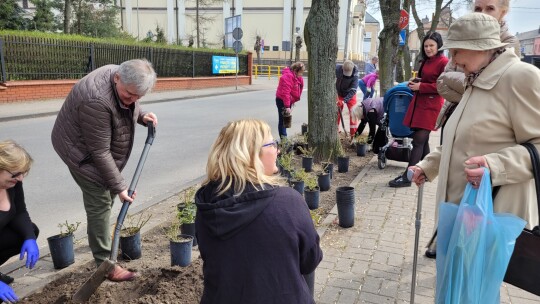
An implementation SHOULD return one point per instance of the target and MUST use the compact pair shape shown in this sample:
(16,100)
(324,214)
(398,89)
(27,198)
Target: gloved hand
(31,249)
(345,101)
(370,140)
(7,294)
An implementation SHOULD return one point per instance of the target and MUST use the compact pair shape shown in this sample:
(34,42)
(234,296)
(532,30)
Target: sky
(524,15)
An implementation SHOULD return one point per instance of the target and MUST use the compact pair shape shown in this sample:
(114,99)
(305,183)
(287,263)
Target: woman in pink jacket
(288,92)
(368,82)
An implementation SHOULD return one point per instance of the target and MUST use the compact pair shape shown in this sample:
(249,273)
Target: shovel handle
(125,205)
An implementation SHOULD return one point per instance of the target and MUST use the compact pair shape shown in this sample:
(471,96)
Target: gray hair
(375,58)
(348,66)
(139,73)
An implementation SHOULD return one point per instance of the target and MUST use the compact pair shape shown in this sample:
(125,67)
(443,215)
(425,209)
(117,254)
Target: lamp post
(346,47)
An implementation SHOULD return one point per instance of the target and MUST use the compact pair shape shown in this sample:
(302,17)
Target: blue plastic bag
(474,246)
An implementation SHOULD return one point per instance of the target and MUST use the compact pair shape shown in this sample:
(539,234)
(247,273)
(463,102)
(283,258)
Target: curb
(332,215)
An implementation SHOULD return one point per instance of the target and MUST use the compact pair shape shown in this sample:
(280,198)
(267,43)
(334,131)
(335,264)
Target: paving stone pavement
(372,261)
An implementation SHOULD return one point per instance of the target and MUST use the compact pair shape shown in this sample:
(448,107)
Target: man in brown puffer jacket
(93,134)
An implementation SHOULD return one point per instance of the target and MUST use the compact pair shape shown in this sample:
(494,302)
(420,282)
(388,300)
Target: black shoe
(399,182)
(6,279)
(431,253)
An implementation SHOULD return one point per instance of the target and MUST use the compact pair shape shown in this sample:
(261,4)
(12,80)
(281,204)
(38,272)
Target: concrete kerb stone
(331,217)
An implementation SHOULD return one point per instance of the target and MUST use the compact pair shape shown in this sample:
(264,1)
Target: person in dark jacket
(371,112)
(93,134)
(426,104)
(256,238)
(17,232)
(346,84)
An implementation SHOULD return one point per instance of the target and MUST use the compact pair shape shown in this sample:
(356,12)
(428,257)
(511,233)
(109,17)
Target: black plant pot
(324,181)
(287,120)
(361,149)
(343,164)
(298,185)
(312,198)
(61,248)
(328,167)
(307,163)
(189,229)
(181,206)
(304,129)
(131,246)
(345,206)
(181,250)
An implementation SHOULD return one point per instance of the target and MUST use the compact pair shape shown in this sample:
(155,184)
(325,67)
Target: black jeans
(11,243)
(280,107)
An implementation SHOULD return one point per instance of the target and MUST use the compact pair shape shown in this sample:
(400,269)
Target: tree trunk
(320,34)
(67,15)
(389,40)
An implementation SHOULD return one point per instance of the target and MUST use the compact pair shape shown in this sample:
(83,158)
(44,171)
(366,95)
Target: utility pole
(346,47)
(197,21)
(293,12)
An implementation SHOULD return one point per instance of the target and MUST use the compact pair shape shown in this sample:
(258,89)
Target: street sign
(237,46)
(224,65)
(237,33)
(403,19)
(402,37)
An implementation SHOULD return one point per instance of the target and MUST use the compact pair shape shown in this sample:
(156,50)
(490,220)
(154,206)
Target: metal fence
(30,58)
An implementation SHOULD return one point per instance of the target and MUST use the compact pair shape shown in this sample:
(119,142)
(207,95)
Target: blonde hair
(348,66)
(234,158)
(13,157)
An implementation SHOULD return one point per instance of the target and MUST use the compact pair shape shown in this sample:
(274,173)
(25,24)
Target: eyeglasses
(273,144)
(16,174)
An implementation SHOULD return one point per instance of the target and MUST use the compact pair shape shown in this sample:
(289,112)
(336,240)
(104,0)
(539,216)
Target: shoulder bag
(524,267)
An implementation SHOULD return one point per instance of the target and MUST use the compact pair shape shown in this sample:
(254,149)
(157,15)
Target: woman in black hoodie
(256,238)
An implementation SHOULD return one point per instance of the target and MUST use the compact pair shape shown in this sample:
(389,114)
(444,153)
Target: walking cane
(416,234)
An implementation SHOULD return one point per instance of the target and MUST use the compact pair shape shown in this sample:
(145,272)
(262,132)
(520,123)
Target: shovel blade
(91,285)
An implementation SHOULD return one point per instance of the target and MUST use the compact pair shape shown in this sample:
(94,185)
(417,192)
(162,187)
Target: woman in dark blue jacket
(256,239)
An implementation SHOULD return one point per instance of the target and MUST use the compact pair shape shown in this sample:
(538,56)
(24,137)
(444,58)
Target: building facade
(530,42)
(277,22)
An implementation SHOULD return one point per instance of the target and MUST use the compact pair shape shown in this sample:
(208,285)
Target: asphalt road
(177,159)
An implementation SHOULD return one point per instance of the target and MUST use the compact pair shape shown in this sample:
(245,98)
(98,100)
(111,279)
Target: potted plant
(361,145)
(285,161)
(328,165)
(61,245)
(297,180)
(130,236)
(343,161)
(311,191)
(304,128)
(345,206)
(180,246)
(186,217)
(300,141)
(307,158)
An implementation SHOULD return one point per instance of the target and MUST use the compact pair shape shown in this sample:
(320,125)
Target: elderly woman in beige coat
(498,111)
(451,83)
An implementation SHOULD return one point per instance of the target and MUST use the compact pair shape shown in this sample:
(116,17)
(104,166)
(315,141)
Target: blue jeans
(363,87)
(280,107)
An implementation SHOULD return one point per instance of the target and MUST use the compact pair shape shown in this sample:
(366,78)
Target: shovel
(89,287)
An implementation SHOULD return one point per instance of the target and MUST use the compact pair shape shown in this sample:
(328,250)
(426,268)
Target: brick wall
(16,91)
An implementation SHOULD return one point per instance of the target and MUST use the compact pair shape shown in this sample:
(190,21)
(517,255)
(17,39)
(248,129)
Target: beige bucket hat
(475,31)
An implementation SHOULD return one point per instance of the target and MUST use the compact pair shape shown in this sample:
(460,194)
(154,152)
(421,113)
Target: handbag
(524,267)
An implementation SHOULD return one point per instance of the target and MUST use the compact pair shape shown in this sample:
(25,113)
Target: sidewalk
(368,263)
(372,261)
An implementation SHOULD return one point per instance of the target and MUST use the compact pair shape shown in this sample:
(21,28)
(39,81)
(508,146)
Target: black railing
(30,58)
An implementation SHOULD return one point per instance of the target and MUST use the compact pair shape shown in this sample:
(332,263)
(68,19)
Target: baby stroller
(399,146)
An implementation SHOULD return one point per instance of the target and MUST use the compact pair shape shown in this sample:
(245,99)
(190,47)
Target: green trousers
(98,202)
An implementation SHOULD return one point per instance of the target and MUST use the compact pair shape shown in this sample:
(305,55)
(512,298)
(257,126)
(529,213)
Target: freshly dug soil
(158,281)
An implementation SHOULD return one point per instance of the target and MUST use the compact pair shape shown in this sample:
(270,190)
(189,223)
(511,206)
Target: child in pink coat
(368,82)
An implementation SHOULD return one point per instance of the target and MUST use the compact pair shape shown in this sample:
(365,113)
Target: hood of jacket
(285,71)
(228,214)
